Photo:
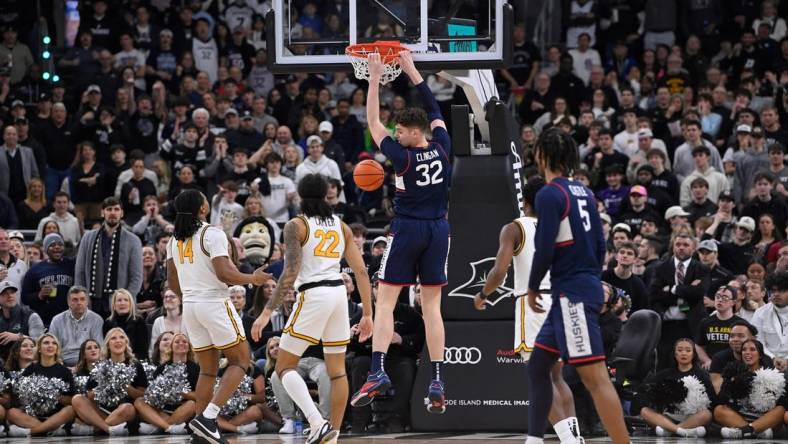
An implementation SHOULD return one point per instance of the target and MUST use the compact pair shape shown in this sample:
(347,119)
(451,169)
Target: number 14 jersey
(322,250)
(192,258)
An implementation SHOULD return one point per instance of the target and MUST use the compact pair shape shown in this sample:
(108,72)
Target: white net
(361,65)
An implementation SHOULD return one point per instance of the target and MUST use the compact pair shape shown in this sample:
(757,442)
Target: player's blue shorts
(416,247)
(571,329)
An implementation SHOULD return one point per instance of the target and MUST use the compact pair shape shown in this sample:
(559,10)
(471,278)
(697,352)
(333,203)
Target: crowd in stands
(678,109)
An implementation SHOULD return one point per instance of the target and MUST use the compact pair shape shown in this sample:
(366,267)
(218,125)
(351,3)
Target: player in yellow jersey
(315,243)
(199,269)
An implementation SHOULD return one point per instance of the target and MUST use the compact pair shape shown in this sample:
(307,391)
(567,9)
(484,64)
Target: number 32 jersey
(423,175)
(322,251)
(192,258)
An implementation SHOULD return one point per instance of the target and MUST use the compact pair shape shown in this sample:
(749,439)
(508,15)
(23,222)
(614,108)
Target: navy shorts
(572,331)
(416,247)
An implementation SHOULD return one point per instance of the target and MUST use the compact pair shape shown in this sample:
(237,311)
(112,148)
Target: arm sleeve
(429,102)
(35,326)
(82,258)
(549,206)
(141,225)
(441,136)
(135,266)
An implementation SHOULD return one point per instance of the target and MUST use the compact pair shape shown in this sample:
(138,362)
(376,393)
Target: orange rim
(388,50)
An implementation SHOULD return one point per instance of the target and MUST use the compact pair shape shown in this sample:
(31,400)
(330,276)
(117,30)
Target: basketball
(368,175)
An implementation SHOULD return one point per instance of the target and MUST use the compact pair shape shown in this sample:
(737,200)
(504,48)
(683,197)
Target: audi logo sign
(462,355)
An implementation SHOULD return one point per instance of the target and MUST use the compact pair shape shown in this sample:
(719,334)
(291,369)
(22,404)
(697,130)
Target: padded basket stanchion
(389,55)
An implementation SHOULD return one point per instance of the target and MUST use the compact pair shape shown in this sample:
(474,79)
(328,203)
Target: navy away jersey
(423,176)
(569,239)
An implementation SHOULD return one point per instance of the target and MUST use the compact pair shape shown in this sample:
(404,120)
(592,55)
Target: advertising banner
(486,381)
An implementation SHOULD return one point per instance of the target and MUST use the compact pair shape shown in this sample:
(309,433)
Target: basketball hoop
(389,55)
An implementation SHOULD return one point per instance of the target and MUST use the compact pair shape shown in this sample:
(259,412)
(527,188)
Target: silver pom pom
(81,384)
(697,399)
(5,383)
(768,387)
(112,379)
(238,401)
(168,388)
(150,369)
(39,395)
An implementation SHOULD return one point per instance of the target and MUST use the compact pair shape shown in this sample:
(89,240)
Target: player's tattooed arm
(292,265)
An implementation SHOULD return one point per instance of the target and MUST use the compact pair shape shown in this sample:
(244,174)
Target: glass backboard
(442,34)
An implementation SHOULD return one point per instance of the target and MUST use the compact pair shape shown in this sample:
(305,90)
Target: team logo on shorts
(480,269)
(462,355)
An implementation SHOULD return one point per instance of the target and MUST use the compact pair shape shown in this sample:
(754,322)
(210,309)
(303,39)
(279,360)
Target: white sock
(567,429)
(534,440)
(212,411)
(298,391)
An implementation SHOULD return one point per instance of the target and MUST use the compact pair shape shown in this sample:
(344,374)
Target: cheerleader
(752,396)
(33,413)
(22,354)
(689,415)
(171,418)
(89,355)
(160,353)
(112,388)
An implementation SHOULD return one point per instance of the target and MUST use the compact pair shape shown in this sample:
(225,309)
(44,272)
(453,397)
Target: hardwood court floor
(405,438)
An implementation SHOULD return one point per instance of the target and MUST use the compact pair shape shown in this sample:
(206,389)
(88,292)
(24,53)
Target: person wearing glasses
(714,330)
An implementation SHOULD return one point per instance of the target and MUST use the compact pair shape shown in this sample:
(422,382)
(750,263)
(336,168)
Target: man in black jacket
(406,344)
(16,321)
(676,292)
(736,256)
(708,253)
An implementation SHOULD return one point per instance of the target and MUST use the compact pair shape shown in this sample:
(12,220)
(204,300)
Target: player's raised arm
(376,128)
(294,235)
(509,239)
(430,104)
(356,262)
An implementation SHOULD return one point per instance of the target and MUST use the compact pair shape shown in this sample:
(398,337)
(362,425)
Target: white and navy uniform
(527,323)
(209,319)
(320,312)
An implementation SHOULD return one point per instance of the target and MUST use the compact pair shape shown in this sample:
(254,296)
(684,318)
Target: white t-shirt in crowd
(275,205)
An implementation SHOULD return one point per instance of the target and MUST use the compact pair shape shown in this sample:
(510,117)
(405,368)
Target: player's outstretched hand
(534,300)
(260,323)
(365,327)
(260,277)
(479,302)
(375,67)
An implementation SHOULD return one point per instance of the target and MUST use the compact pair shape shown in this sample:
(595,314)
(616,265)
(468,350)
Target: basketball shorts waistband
(325,283)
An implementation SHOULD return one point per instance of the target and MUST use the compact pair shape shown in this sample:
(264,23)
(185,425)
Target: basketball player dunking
(569,243)
(315,243)
(198,270)
(516,245)
(418,245)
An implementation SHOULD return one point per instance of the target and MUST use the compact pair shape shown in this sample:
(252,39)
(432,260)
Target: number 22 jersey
(423,176)
(322,251)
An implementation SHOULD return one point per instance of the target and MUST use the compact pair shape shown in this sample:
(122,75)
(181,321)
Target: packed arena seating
(678,110)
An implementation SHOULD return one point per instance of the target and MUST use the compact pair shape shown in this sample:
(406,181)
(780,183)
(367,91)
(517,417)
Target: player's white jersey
(192,258)
(322,251)
(524,256)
